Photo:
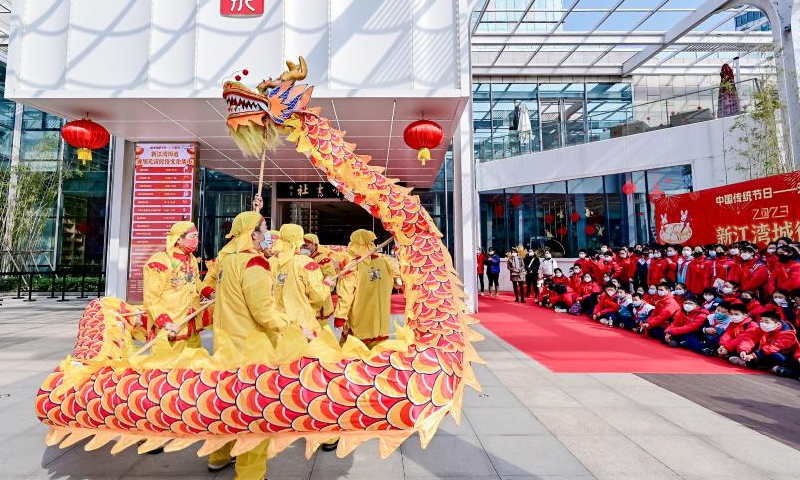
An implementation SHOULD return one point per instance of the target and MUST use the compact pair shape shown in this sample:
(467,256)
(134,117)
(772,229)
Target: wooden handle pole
(352,264)
(260,178)
(183,322)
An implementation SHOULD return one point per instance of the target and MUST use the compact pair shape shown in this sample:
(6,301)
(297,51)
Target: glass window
(493,220)
(608,105)
(667,181)
(515,114)
(551,217)
(521,207)
(481,120)
(587,214)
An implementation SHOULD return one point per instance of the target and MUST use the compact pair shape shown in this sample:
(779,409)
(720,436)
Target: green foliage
(761,144)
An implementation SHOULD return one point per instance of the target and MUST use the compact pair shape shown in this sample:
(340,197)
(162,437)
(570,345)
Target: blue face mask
(266,244)
(720,317)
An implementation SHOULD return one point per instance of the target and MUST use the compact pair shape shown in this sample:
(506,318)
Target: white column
(119,225)
(275,220)
(465,208)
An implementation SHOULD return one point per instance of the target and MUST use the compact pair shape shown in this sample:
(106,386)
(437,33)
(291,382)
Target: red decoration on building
(548,219)
(498,210)
(629,188)
(423,135)
(241,8)
(656,193)
(85,135)
(590,230)
(575,217)
(562,230)
(516,200)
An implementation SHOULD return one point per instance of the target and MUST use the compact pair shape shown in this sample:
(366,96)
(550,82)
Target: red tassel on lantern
(85,135)
(423,135)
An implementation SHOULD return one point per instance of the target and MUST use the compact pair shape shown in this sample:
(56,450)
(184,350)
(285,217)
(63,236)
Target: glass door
(552,127)
(562,122)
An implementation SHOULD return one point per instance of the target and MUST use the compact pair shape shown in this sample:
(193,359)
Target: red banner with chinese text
(163,193)
(758,211)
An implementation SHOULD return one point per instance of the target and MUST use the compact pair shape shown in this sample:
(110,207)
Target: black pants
(532,284)
(519,290)
(494,279)
(480,280)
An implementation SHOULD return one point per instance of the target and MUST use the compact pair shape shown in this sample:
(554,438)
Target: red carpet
(568,344)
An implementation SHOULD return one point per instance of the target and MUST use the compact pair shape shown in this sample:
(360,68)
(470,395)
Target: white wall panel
(172,49)
(307,35)
(108,47)
(435,52)
(228,44)
(43,43)
(706,146)
(371,44)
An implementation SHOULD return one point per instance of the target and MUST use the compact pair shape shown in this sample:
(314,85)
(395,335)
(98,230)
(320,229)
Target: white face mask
(687,253)
(651,291)
(548,256)
(678,291)
(649,255)
(623,255)
(746,256)
(769,326)
(771,250)
(670,253)
(736,318)
(637,303)
(708,297)
(727,290)
(603,249)
(781,302)
(581,255)
(688,307)
(734,251)
(610,293)
(305,251)
(657,255)
(559,274)
(662,293)
(587,279)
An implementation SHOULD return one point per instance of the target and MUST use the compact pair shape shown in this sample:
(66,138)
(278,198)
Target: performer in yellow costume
(365,295)
(172,287)
(300,292)
(327,264)
(245,304)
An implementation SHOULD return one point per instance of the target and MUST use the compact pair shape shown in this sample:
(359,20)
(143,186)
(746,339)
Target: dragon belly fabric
(177,396)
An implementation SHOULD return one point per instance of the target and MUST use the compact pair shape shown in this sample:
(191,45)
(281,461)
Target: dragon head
(256,115)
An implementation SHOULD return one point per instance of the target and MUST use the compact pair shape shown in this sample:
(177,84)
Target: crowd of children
(734,301)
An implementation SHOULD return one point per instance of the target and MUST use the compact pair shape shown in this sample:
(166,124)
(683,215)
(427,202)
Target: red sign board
(758,211)
(241,8)
(163,189)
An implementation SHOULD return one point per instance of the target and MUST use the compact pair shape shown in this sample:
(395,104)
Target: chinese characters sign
(241,8)
(758,211)
(307,190)
(162,195)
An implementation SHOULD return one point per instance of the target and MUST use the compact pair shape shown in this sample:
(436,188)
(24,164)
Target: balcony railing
(695,107)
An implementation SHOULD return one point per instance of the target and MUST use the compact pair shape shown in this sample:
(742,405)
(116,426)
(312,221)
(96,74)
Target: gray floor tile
(490,397)
(504,421)
(571,421)
(635,421)
(549,396)
(612,454)
(364,463)
(446,456)
(692,456)
(531,455)
(776,459)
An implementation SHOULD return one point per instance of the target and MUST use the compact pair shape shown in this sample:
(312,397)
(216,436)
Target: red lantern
(423,135)
(590,230)
(562,230)
(548,219)
(575,217)
(85,135)
(516,200)
(498,210)
(629,188)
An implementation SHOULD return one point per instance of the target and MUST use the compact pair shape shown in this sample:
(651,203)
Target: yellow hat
(241,232)
(311,237)
(361,242)
(176,231)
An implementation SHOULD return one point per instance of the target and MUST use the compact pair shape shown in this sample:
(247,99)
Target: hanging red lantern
(516,200)
(548,219)
(575,217)
(590,230)
(85,135)
(423,135)
(498,210)
(562,230)
(655,194)
(629,188)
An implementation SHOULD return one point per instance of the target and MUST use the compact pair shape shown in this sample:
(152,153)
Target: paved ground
(528,423)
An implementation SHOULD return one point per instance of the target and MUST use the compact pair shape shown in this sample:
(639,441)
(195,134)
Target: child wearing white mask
(773,346)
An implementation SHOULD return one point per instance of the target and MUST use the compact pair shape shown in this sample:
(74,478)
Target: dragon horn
(294,72)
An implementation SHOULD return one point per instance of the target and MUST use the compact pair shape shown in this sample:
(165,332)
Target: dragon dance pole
(260,177)
(354,263)
(183,322)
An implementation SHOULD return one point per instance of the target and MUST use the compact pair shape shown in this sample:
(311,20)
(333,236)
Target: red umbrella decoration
(590,230)
(423,135)
(85,135)
(629,188)
(548,219)
(562,230)
(516,200)
(575,217)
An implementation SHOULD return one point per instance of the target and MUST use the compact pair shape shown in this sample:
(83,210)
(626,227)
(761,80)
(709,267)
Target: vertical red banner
(163,193)
(758,211)
(241,8)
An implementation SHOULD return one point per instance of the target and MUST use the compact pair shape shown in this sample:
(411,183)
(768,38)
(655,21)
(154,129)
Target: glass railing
(698,106)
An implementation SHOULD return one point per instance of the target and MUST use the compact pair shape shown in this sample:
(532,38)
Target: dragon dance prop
(298,389)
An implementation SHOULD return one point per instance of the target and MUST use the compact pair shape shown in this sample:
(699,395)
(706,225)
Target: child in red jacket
(738,335)
(686,329)
(773,346)
(665,311)
(607,306)
(586,293)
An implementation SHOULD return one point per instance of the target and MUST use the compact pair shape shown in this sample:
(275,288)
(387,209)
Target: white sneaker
(737,361)
(214,467)
(560,310)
